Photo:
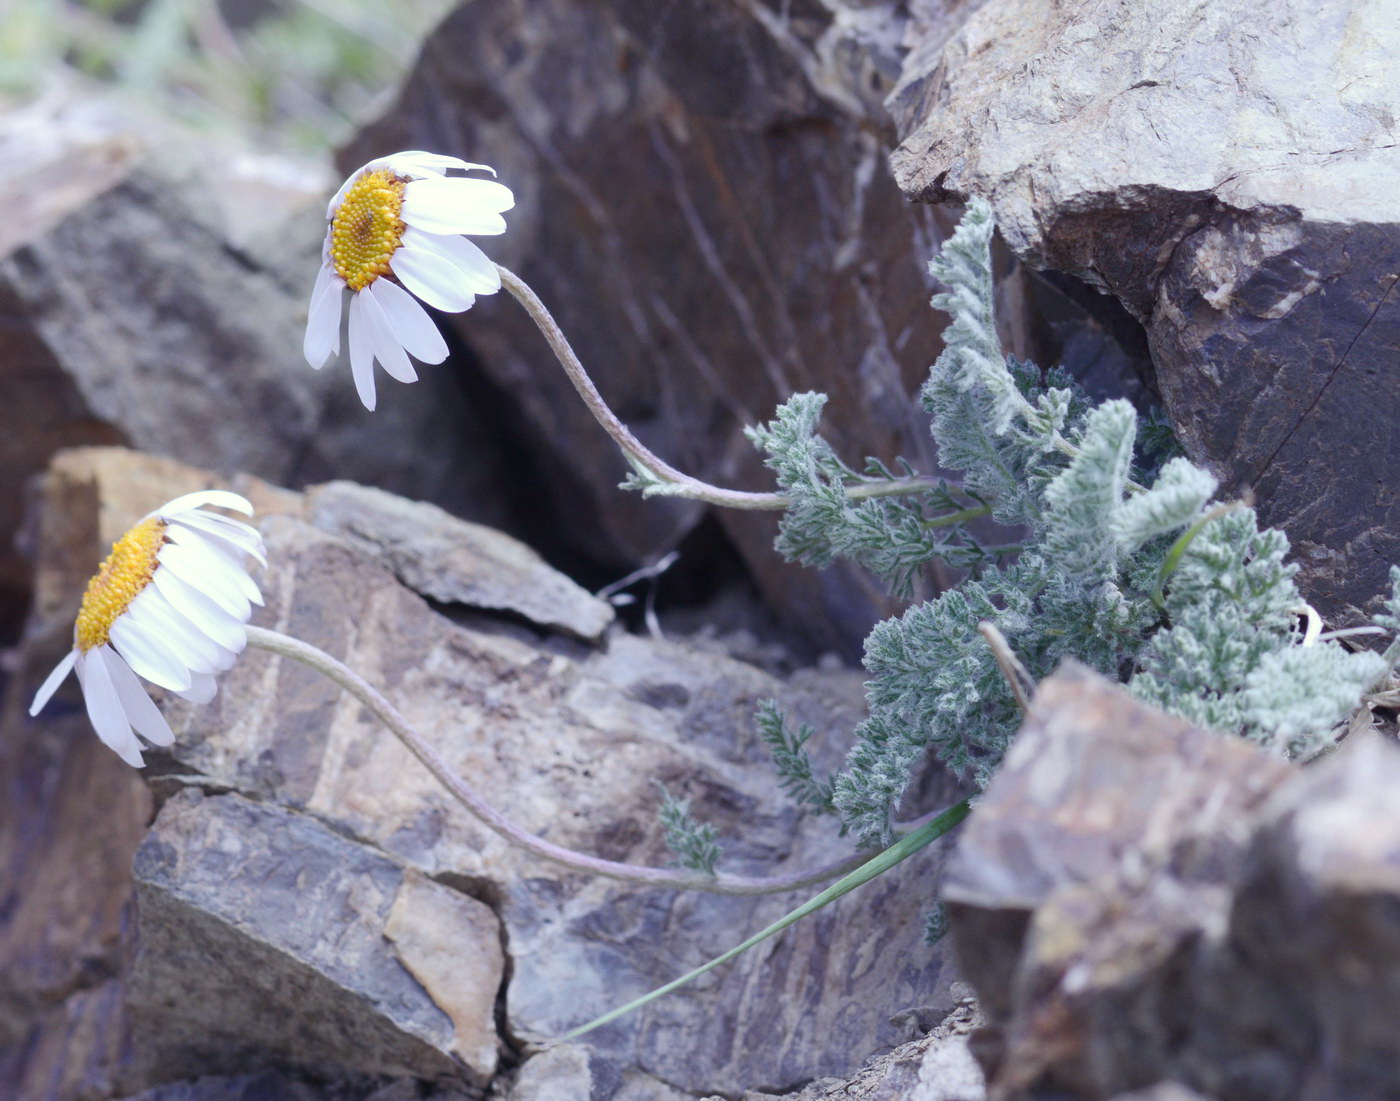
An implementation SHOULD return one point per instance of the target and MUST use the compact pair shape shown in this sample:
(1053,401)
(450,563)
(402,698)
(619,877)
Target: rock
(578,738)
(935,1067)
(1225,172)
(1143,906)
(131,318)
(574,1072)
(703,203)
(1162,1091)
(1315,928)
(262,931)
(456,562)
(302,856)
(285,1086)
(1098,855)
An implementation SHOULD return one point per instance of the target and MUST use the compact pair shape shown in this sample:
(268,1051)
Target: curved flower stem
(284,646)
(663,478)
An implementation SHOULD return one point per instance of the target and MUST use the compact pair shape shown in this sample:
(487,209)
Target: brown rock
(1227,173)
(262,939)
(1102,854)
(1315,928)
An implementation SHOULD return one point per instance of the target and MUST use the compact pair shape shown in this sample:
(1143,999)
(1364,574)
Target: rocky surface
(262,931)
(1143,904)
(301,856)
(455,562)
(935,1067)
(1227,172)
(704,203)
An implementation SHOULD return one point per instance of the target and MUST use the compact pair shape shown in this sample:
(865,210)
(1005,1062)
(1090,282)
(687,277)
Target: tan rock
(452,945)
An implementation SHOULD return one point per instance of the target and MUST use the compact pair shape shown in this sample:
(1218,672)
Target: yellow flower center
(120,579)
(367,229)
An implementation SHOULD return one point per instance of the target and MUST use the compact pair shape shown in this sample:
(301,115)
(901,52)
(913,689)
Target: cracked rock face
(704,203)
(1228,172)
(309,901)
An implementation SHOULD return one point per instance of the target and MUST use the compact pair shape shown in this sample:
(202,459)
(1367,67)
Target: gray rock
(935,1067)
(456,562)
(262,940)
(574,1072)
(703,203)
(578,738)
(1228,173)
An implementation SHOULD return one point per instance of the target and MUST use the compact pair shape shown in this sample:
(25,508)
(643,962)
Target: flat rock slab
(456,562)
(573,740)
(261,931)
(1228,172)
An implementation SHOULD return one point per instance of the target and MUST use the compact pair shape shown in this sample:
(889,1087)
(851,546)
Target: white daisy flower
(395,232)
(169,603)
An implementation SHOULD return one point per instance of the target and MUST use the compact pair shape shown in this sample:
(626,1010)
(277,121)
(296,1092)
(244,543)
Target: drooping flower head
(169,603)
(395,231)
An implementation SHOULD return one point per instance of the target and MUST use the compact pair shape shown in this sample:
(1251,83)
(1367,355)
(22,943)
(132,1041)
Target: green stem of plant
(900,850)
(950,519)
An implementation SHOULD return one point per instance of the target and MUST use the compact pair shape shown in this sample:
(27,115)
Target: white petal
(222,565)
(222,626)
(440,205)
(201,691)
(222,498)
(387,348)
(192,563)
(476,267)
(148,657)
(417,161)
(104,708)
(361,354)
(152,615)
(140,711)
(186,633)
(238,538)
(52,681)
(322,339)
(411,325)
(436,281)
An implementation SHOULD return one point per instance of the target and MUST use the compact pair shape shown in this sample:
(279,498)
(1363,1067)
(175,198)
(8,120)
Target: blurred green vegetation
(295,75)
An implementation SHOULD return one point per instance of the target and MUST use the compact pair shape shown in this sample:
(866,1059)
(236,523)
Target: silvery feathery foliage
(695,845)
(794,765)
(1228,658)
(892,537)
(1195,609)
